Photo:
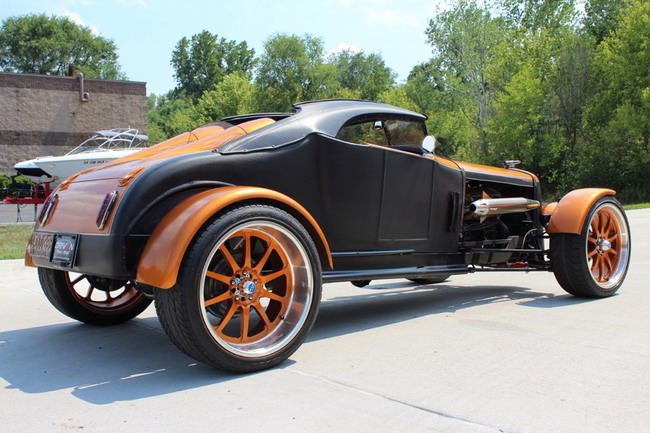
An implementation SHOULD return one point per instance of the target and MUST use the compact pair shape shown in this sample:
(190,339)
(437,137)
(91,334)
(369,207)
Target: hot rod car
(232,228)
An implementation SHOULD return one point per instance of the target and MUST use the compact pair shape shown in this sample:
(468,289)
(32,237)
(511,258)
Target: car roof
(321,117)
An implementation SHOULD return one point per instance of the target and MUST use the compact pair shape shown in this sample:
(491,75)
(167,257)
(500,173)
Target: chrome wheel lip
(301,297)
(624,252)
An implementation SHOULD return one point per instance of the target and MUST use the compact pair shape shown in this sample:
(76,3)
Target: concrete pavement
(479,353)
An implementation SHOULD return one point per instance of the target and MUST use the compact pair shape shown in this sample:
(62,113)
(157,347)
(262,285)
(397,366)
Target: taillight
(46,210)
(105,210)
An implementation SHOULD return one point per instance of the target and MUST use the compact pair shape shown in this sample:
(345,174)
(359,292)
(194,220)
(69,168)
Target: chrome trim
(48,209)
(107,211)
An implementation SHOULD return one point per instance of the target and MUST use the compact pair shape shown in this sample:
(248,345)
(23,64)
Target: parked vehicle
(232,229)
(100,148)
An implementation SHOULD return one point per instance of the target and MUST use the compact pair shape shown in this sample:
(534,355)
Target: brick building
(46,115)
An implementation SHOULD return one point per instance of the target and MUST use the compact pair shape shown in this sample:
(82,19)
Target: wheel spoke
(81,277)
(604,224)
(265,257)
(222,297)
(229,258)
(226,319)
(601,269)
(591,253)
(594,265)
(219,277)
(607,262)
(595,225)
(275,275)
(245,320)
(271,295)
(262,313)
(247,249)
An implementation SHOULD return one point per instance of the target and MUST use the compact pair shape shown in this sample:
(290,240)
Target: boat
(102,147)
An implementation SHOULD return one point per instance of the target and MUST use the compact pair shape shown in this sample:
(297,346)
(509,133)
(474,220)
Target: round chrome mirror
(429,143)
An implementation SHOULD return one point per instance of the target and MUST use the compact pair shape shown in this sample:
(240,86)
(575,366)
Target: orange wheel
(94,300)
(594,263)
(248,291)
(607,245)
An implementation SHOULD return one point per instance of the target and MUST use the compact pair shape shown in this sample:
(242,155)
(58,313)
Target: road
(479,353)
(11,213)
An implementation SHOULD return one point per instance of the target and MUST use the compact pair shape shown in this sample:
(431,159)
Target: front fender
(571,212)
(163,254)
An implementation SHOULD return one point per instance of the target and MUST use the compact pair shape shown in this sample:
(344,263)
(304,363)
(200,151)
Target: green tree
(291,70)
(366,73)
(619,117)
(204,60)
(463,39)
(169,115)
(41,44)
(233,95)
(602,16)
(533,15)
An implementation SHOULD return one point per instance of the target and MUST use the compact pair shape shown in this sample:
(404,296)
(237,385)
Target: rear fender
(570,213)
(163,254)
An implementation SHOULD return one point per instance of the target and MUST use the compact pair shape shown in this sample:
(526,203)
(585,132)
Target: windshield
(113,139)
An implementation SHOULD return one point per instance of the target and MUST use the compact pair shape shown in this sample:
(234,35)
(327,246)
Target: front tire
(93,300)
(594,263)
(247,293)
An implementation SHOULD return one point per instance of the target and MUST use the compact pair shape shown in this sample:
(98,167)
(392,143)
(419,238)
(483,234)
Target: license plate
(41,245)
(64,250)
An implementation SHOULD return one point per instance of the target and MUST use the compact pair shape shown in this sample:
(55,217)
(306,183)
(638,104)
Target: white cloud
(342,46)
(76,18)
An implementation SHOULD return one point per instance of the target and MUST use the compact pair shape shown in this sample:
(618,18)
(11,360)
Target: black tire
(594,263)
(97,301)
(258,271)
(430,280)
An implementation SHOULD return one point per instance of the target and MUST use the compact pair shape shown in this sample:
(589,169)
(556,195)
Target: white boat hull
(58,168)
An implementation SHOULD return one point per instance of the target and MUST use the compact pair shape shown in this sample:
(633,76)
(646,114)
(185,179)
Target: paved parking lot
(478,353)
(11,213)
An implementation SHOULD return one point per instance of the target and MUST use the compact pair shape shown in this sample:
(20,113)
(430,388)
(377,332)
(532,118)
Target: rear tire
(93,300)
(594,263)
(247,293)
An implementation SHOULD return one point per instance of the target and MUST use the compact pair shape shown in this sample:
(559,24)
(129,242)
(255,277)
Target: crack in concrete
(394,400)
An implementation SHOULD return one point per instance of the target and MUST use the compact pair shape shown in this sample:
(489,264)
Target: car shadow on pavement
(398,302)
(136,360)
(101,365)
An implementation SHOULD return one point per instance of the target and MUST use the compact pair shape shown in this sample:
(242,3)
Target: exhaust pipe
(500,206)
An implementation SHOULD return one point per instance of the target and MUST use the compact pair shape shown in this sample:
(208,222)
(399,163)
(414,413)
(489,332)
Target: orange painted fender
(571,211)
(166,247)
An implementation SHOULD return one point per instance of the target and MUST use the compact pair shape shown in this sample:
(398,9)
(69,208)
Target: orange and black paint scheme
(233,227)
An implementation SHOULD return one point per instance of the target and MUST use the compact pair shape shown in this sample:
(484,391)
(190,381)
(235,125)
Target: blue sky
(146,31)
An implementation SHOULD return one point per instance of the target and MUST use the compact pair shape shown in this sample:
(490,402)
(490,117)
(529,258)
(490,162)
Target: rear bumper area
(109,256)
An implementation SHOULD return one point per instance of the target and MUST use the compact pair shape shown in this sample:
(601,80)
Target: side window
(390,132)
(367,132)
(405,133)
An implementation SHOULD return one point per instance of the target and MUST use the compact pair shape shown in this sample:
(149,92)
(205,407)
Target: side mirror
(429,143)
(378,125)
